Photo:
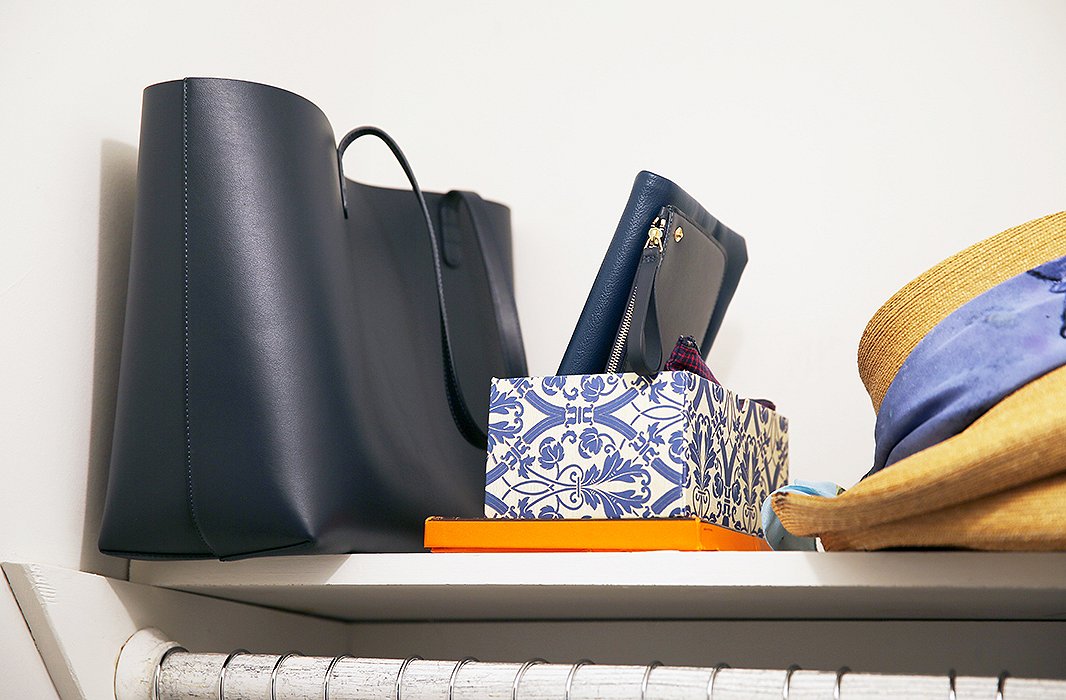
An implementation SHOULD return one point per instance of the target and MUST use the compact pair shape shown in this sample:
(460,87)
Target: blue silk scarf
(986,349)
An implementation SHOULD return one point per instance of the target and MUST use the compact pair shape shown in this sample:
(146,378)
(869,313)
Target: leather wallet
(674,293)
(597,327)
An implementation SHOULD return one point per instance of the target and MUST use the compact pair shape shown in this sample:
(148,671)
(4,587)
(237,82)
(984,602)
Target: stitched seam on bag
(185,304)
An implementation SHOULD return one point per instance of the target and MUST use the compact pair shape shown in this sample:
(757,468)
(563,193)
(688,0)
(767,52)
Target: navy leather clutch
(675,291)
(599,324)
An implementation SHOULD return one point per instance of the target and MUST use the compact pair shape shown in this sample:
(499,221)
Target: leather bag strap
(502,291)
(466,424)
(644,354)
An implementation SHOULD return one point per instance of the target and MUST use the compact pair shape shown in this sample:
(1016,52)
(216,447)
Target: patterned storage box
(625,446)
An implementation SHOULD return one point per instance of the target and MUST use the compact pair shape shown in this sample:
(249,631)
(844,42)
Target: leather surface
(642,354)
(477,262)
(152,514)
(471,430)
(597,325)
(282,384)
(679,299)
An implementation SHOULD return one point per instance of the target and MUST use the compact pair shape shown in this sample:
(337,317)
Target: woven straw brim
(1029,518)
(1020,440)
(914,310)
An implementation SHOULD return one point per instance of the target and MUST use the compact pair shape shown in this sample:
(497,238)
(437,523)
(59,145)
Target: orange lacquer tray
(632,535)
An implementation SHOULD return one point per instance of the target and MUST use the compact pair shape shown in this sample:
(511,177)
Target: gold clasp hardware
(655,235)
(678,234)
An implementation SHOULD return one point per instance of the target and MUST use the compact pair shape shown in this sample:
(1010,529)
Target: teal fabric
(775,533)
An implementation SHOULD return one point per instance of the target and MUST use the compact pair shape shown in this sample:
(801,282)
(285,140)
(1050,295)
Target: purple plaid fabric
(686,357)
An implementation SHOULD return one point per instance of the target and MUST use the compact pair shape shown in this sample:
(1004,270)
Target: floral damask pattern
(626,446)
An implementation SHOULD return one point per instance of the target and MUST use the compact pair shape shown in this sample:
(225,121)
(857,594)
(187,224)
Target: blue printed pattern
(626,446)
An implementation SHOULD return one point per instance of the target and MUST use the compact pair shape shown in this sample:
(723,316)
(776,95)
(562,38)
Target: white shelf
(641,585)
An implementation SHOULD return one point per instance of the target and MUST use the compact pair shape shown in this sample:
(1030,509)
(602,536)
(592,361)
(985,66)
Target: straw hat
(998,484)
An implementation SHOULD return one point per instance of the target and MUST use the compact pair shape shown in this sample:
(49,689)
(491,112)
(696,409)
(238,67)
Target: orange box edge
(454,535)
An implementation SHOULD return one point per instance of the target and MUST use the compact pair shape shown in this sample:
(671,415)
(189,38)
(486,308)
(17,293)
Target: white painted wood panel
(18,652)
(638,585)
(976,648)
(80,622)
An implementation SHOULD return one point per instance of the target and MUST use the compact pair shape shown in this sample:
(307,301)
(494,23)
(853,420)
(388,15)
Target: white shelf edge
(893,585)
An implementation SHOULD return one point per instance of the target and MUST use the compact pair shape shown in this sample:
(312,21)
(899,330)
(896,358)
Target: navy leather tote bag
(306,359)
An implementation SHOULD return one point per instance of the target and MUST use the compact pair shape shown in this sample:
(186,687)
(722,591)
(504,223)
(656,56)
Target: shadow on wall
(118,180)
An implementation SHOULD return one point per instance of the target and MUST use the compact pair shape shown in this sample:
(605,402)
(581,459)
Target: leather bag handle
(503,304)
(644,353)
(466,424)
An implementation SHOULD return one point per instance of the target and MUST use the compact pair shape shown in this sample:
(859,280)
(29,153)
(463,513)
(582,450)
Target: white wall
(852,144)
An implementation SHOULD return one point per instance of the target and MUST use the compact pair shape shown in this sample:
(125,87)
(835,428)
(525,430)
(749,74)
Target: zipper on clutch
(614,360)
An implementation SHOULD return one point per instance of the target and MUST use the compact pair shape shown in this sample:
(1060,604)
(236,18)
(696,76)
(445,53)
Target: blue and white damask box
(625,446)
